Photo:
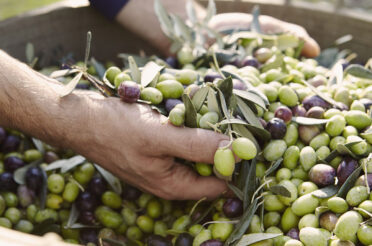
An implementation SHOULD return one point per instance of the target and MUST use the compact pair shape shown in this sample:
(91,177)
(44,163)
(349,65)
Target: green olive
(356,195)
(108,217)
(186,76)
(305,204)
(121,77)
(13,214)
(365,234)
(208,120)
(111,199)
(145,223)
(222,231)
(54,201)
(313,237)
(129,216)
(347,225)
(291,156)
(170,89)
(308,220)
(204,169)
(291,136)
(307,158)
(320,140)
(71,192)
(272,203)
(32,155)
(337,205)
(134,233)
(154,208)
(244,148)
(84,173)
(111,73)
(224,162)
(177,116)
(152,95)
(203,236)
(4,222)
(271,219)
(274,150)
(289,220)
(288,96)
(56,183)
(358,119)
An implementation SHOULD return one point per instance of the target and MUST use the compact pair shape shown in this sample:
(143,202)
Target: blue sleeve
(110,8)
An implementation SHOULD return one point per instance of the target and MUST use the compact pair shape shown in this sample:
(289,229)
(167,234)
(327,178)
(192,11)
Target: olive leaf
(81,226)
(331,156)
(309,121)
(67,89)
(99,67)
(20,173)
(63,73)
(252,97)
(149,73)
(328,57)
(30,53)
(274,62)
(243,225)
(273,167)
(112,242)
(244,132)
(280,190)
(349,182)
(87,48)
(337,74)
(206,212)
(359,71)
(259,132)
(45,227)
(199,98)
(181,29)
(226,87)
(325,192)
(255,24)
(140,60)
(164,19)
(299,49)
(367,134)
(212,102)
(44,189)
(236,190)
(252,238)
(250,182)
(190,112)
(134,70)
(321,209)
(39,145)
(211,11)
(191,12)
(113,181)
(223,104)
(161,110)
(344,39)
(74,215)
(73,161)
(248,114)
(320,94)
(236,76)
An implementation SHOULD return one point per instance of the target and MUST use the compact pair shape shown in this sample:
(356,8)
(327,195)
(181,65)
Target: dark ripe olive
(263,122)
(97,185)
(277,128)
(322,175)
(82,86)
(156,240)
(88,236)
(131,193)
(87,218)
(307,133)
(12,163)
(366,102)
(346,167)
(211,76)
(361,181)
(34,178)
(171,103)
(172,61)
(235,62)
(184,239)
(2,135)
(238,85)
(233,207)
(86,201)
(10,144)
(129,91)
(250,61)
(312,101)
(328,221)
(7,182)
(298,111)
(315,112)
(294,233)
(283,113)
(212,242)
(50,157)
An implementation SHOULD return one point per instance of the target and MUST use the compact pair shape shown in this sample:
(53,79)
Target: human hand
(269,25)
(138,145)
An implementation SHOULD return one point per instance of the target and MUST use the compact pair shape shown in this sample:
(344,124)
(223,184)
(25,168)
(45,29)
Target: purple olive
(171,103)
(87,218)
(131,193)
(12,163)
(86,201)
(211,76)
(328,220)
(263,122)
(312,101)
(307,133)
(367,102)
(10,144)
(97,185)
(298,111)
(346,167)
(172,61)
(322,175)
(283,113)
(82,86)
(212,242)
(88,236)
(250,61)
(50,157)
(25,196)
(129,91)
(238,85)
(2,135)
(233,207)
(34,178)
(235,62)
(277,128)
(294,233)
(315,112)
(156,240)
(7,182)
(184,239)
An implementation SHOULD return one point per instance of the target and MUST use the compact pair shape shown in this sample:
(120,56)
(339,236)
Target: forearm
(30,102)
(139,17)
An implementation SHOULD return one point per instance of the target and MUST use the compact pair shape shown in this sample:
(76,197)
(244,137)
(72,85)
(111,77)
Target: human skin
(132,141)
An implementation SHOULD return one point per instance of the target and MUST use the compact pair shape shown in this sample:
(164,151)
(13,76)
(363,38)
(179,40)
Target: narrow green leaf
(212,102)
(72,163)
(223,105)
(191,12)
(252,97)
(81,226)
(255,24)
(134,70)
(19,174)
(232,121)
(190,112)
(149,73)
(359,71)
(325,192)
(63,73)
(337,74)
(309,121)
(99,67)
(320,94)
(199,98)
(343,39)
(252,238)
(274,62)
(65,162)
(299,49)
(349,182)
(250,183)
(74,215)
(280,190)
(39,145)
(87,48)
(235,76)
(248,114)
(44,189)
(226,87)
(163,17)
(67,89)
(259,132)
(236,190)
(331,156)
(113,242)
(206,212)
(211,11)
(30,53)
(181,29)
(273,167)
(113,181)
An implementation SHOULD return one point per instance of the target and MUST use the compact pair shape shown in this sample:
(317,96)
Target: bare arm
(131,140)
